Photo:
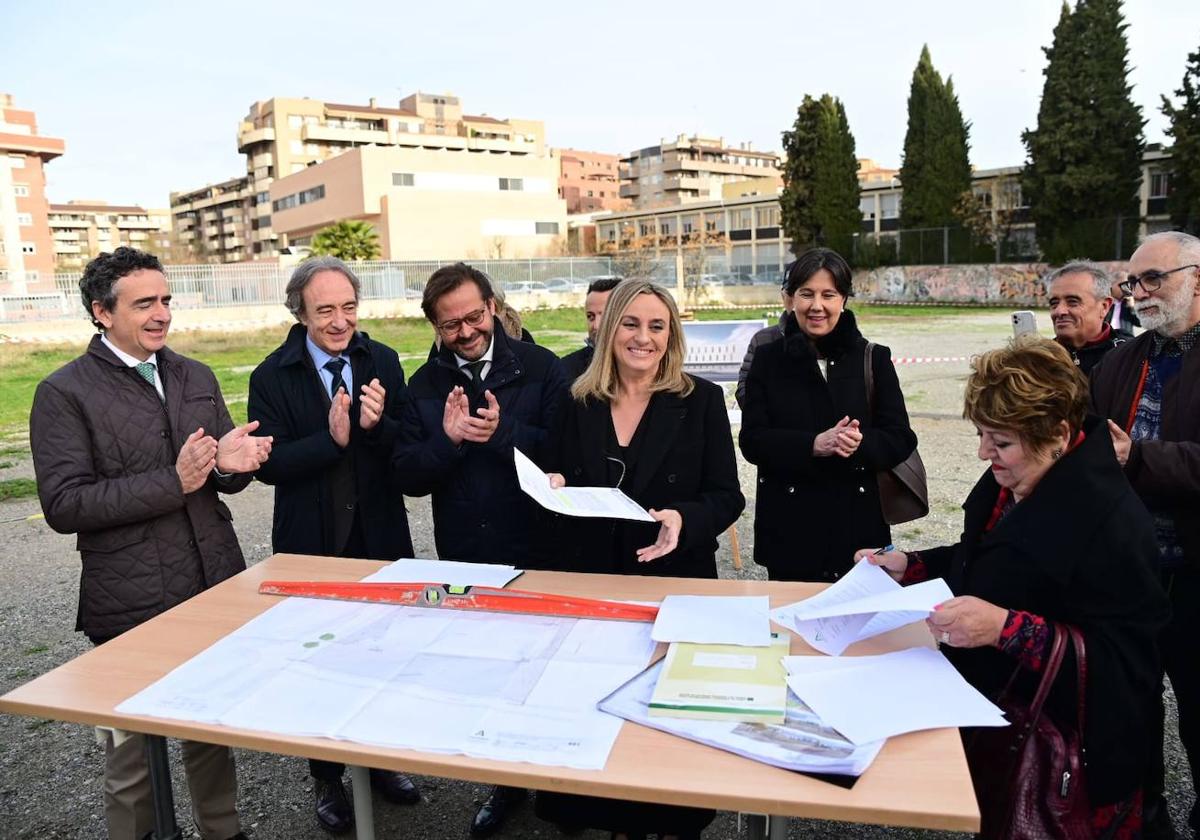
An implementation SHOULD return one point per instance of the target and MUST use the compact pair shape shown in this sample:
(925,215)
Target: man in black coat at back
(481,396)
(331,397)
(593,309)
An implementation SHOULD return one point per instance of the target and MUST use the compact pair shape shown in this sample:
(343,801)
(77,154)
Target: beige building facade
(439,203)
(26,247)
(692,169)
(283,137)
(213,224)
(83,229)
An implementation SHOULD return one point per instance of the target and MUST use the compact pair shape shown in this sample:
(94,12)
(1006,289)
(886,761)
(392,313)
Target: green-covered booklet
(723,682)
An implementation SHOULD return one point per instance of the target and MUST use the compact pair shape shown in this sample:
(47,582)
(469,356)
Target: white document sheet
(864,603)
(714,619)
(802,742)
(595,502)
(509,687)
(449,572)
(867,698)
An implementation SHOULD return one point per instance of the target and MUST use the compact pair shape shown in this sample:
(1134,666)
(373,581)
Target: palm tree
(347,240)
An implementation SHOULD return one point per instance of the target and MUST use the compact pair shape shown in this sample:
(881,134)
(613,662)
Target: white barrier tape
(921,360)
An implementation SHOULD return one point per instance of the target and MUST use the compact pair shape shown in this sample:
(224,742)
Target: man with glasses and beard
(1149,389)
(482,395)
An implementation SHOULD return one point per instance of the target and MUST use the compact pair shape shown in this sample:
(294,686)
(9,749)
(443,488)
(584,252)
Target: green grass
(17,488)
(36,649)
(232,356)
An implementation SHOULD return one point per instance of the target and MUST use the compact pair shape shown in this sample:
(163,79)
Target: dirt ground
(50,772)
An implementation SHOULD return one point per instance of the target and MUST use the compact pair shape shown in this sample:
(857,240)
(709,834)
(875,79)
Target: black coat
(1079,549)
(577,362)
(685,462)
(288,399)
(1090,355)
(812,513)
(480,513)
(1164,472)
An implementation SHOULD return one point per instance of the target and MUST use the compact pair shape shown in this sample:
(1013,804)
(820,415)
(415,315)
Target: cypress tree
(936,169)
(1083,171)
(1184,198)
(819,203)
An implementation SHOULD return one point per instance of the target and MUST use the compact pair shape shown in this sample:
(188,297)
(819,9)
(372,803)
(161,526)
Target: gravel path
(50,772)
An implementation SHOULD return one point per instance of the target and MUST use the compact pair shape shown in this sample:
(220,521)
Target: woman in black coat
(636,421)
(1052,532)
(807,425)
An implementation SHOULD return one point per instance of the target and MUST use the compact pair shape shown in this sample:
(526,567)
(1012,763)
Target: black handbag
(904,489)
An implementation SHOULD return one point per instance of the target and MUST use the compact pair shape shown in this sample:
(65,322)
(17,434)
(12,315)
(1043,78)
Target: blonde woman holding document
(1053,533)
(636,421)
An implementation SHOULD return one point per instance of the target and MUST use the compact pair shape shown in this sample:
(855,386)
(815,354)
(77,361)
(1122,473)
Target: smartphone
(1023,323)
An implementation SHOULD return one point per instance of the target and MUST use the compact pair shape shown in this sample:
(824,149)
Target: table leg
(763,827)
(165,827)
(364,813)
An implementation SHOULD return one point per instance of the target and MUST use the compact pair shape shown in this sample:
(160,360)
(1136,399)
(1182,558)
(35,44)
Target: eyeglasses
(1149,280)
(471,319)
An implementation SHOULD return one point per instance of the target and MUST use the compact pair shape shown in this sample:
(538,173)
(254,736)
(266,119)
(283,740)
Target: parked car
(589,280)
(737,278)
(563,285)
(524,287)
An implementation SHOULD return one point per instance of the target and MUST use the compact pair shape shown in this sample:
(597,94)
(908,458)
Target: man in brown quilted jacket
(131,444)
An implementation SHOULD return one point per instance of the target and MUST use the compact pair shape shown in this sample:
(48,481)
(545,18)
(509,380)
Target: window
(512,183)
(767,217)
(28,248)
(889,206)
(740,220)
(646,229)
(866,206)
(403,179)
(16,161)
(296,147)
(262,198)
(296,199)
(21,190)
(550,228)
(25,219)
(294,121)
(1160,184)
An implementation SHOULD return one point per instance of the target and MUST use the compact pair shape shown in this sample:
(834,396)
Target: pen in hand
(885,550)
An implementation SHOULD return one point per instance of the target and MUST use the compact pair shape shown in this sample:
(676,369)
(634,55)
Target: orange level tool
(483,598)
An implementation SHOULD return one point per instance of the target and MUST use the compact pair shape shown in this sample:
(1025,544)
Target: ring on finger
(945,637)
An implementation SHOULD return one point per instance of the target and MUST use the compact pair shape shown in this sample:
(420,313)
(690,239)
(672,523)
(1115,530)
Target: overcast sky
(150,102)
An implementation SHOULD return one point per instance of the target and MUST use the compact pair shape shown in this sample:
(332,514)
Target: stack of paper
(714,619)
(449,572)
(867,698)
(801,743)
(864,603)
(722,682)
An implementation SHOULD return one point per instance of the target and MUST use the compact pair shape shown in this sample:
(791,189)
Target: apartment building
(745,231)
(26,248)
(82,229)
(283,137)
(691,169)
(588,181)
(213,224)
(446,202)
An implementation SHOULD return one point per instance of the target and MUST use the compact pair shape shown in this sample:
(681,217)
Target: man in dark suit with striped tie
(331,397)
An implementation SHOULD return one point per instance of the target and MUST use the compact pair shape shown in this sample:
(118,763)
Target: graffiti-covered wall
(1003,284)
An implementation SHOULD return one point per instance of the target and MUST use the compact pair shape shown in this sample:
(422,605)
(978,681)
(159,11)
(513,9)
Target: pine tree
(348,240)
(1085,156)
(936,169)
(1184,198)
(819,203)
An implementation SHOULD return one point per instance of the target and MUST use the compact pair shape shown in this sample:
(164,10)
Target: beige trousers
(129,806)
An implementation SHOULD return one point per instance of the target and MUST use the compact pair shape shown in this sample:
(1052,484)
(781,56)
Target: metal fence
(249,284)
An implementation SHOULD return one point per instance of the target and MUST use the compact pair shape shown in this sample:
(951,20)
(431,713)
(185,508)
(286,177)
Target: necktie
(146,370)
(335,366)
(476,369)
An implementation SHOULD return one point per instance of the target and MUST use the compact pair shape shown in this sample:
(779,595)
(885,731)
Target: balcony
(67,248)
(682,182)
(68,223)
(137,224)
(354,136)
(247,138)
(630,191)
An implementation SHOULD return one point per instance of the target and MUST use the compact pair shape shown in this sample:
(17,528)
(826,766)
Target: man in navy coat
(331,397)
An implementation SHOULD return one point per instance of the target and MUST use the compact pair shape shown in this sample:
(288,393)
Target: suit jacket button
(862,489)
(671,478)
(762,480)
(791,490)
(578,471)
(164,434)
